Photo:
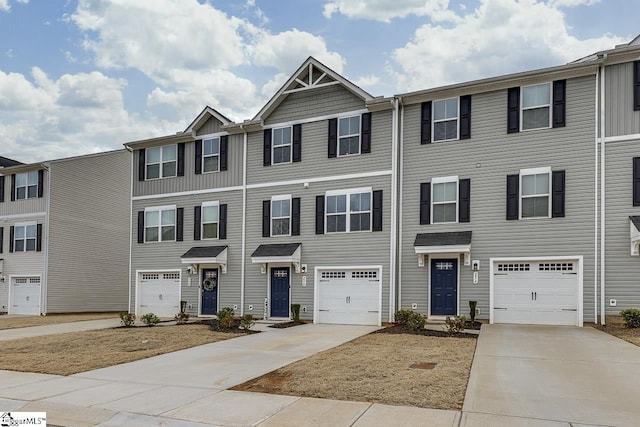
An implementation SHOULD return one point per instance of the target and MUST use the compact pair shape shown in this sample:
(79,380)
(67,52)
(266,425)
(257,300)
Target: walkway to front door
(444,287)
(209,288)
(280,292)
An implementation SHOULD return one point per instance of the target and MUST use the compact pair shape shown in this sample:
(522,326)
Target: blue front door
(280,292)
(444,287)
(209,288)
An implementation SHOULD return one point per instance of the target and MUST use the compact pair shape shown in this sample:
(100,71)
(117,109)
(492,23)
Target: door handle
(531,296)
(535,296)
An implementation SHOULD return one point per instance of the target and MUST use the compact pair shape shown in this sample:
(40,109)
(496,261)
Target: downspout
(602,187)
(595,204)
(401,181)
(43,289)
(245,141)
(394,213)
(130,150)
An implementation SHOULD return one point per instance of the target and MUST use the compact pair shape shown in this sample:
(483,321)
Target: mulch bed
(398,329)
(235,328)
(288,324)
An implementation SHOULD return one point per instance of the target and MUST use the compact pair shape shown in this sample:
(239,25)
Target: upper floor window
(348,211)
(445,119)
(281,216)
(27,185)
(444,203)
(160,224)
(161,162)
(282,145)
(210,220)
(534,197)
(536,106)
(25,237)
(349,135)
(211,155)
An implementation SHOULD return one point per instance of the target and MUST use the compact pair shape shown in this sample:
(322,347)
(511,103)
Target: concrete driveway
(551,375)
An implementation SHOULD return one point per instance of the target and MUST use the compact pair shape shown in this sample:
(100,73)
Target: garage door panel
(348,297)
(25,295)
(159,294)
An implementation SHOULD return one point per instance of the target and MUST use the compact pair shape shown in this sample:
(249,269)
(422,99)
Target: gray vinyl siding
(315,162)
(166,255)
(212,125)
(622,271)
(318,102)
(336,249)
(88,234)
(621,119)
(487,158)
(22,206)
(190,181)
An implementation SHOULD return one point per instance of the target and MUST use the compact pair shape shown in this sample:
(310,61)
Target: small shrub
(127,319)
(225,317)
(455,324)
(150,319)
(416,321)
(181,318)
(402,316)
(472,310)
(247,322)
(295,312)
(631,317)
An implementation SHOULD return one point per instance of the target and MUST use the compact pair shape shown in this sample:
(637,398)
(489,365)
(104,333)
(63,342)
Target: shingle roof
(204,252)
(6,162)
(636,221)
(443,239)
(276,249)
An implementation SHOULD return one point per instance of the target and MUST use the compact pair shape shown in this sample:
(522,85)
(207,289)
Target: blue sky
(80,76)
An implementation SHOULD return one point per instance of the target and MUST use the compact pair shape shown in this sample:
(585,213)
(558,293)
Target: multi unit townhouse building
(63,234)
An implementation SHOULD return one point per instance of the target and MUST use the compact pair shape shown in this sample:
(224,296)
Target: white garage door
(159,294)
(25,295)
(349,297)
(539,293)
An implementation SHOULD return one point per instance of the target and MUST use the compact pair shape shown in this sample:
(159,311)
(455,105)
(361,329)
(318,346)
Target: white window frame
(202,222)
(160,163)
(27,185)
(204,156)
(25,239)
(273,144)
(444,180)
(160,209)
(277,199)
(434,121)
(359,135)
(535,106)
(348,210)
(534,171)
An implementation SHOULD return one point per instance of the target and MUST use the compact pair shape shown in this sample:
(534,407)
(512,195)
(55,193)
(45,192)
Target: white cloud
(4,6)
(366,81)
(386,10)
(572,3)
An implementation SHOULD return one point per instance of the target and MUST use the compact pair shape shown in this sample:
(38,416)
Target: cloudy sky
(83,76)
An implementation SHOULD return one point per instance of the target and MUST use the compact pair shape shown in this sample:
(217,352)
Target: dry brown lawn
(67,354)
(377,368)
(7,322)
(615,327)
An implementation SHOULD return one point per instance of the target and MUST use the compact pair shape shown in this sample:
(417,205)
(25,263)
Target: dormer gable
(207,122)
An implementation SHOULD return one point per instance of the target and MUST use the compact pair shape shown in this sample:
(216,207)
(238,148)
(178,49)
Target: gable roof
(205,115)
(312,74)
(6,162)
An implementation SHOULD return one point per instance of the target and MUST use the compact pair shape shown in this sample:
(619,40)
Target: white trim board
(157,270)
(23,216)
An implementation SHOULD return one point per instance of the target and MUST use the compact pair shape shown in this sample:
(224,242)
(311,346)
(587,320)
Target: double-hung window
(536,106)
(210,220)
(445,199)
(281,215)
(211,155)
(349,135)
(445,119)
(348,210)
(282,145)
(27,185)
(24,238)
(535,187)
(161,162)
(160,224)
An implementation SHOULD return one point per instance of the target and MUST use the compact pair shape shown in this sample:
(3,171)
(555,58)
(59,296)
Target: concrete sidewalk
(58,328)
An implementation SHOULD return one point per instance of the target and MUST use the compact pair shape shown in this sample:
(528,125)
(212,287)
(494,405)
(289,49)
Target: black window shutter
(1,188)
(559,103)
(513,110)
(295,216)
(636,181)
(1,238)
(197,222)
(179,224)
(465,117)
(198,157)
(267,148)
(40,183)
(13,187)
(513,196)
(557,194)
(464,199)
(320,214)
(222,222)
(224,145)
(180,167)
(11,242)
(141,165)
(365,142)
(141,227)
(425,123)
(333,139)
(425,203)
(636,85)
(39,238)
(297,143)
(377,211)
(266,218)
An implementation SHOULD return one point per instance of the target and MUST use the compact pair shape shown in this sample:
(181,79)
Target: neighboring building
(6,162)
(63,234)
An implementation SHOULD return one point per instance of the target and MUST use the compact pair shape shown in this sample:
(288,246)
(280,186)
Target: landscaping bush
(150,319)
(225,317)
(455,324)
(402,316)
(631,317)
(181,318)
(295,312)
(410,319)
(247,322)
(472,310)
(127,319)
